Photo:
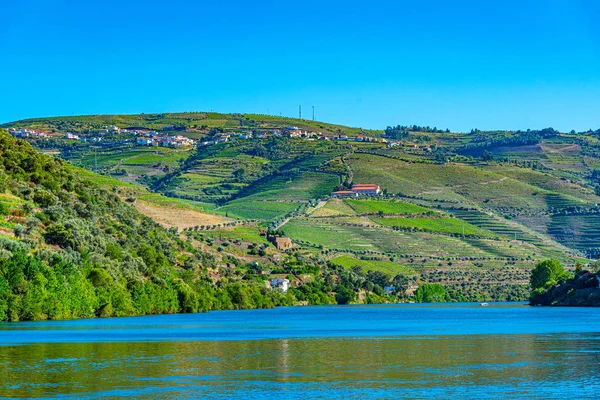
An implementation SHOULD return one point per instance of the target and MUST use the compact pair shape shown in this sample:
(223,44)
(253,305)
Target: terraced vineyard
(337,235)
(580,232)
(371,265)
(386,207)
(264,210)
(292,186)
(510,230)
(440,224)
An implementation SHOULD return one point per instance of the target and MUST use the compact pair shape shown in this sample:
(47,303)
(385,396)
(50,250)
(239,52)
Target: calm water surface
(362,352)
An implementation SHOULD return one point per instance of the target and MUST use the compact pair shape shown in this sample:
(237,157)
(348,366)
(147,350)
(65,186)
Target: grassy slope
(530,197)
(442,225)
(371,238)
(165,210)
(370,265)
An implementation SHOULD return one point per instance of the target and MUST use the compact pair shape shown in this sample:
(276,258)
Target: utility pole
(313,112)
(300,111)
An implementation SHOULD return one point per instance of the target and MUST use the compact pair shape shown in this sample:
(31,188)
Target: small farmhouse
(281,243)
(366,189)
(279,283)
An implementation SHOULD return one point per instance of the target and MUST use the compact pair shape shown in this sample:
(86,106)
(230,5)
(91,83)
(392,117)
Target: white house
(278,283)
(142,141)
(22,133)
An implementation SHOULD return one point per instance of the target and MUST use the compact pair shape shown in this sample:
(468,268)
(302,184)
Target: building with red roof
(366,189)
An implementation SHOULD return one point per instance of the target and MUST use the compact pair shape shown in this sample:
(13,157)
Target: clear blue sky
(457,64)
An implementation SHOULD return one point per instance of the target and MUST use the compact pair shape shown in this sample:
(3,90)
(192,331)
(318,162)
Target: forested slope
(79,251)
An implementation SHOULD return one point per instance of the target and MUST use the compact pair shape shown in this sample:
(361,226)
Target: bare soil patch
(180,218)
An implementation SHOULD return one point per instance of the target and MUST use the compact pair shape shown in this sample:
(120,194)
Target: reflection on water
(529,365)
(313,352)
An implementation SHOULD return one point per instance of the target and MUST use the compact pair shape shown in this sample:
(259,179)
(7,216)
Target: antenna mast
(313,112)
(300,111)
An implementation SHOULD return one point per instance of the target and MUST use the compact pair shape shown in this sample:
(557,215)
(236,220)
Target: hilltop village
(168,136)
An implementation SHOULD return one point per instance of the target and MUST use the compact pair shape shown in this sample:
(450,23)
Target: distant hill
(192,121)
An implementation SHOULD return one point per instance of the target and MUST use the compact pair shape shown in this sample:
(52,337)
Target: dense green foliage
(432,293)
(547,273)
(82,252)
(552,285)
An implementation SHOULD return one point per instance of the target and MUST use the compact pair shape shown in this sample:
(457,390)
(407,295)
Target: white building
(142,141)
(282,284)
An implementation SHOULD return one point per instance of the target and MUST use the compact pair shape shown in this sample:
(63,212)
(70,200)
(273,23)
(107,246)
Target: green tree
(487,155)
(431,293)
(546,274)
(344,295)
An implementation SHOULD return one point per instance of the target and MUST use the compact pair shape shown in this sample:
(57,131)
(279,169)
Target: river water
(388,351)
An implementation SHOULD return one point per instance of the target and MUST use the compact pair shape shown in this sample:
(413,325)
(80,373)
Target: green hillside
(451,203)
(71,248)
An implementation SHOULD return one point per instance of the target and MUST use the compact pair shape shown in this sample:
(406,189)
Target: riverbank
(583,290)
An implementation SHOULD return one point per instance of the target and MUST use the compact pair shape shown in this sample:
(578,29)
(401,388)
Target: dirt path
(321,204)
(496,181)
(285,221)
(350,172)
